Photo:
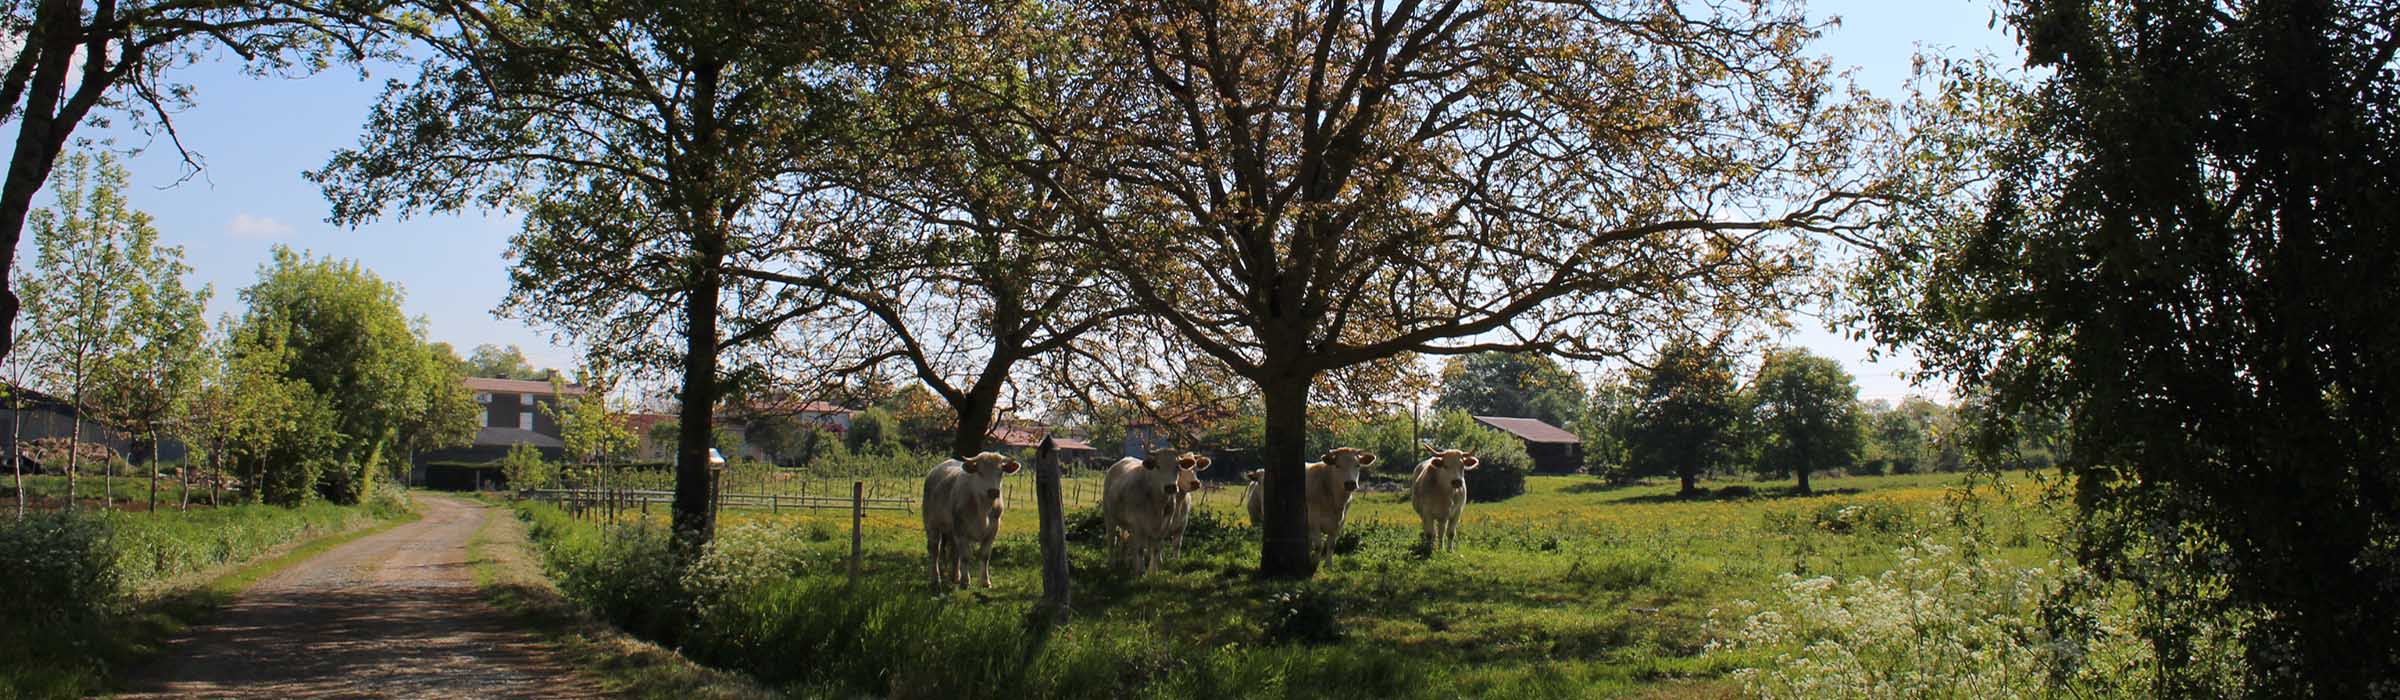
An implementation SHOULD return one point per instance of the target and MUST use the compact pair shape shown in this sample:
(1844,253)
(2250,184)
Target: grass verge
(120,585)
(628,668)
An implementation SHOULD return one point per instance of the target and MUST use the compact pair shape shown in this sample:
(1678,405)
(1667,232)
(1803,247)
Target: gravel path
(391,615)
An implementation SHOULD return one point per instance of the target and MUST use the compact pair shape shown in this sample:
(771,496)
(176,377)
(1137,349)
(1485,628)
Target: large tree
(1513,384)
(944,258)
(371,379)
(651,144)
(1298,187)
(72,62)
(1686,413)
(2180,233)
(1807,411)
(502,362)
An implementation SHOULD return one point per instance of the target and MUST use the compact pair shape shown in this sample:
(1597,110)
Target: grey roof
(508,437)
(1530,430)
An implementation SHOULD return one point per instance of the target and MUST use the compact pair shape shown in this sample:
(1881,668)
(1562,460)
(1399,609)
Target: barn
(1554,450)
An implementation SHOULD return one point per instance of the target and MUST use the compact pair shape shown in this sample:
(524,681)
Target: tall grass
(756,604)
(79,587)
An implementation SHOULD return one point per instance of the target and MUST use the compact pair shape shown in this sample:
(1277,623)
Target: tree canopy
(1685,415)
(1807,408)
(1299,188)
(2179,234)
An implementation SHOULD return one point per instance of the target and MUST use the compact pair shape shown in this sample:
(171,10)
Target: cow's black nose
(993,493)
(1349,486)
(1458,483)
(1169,488)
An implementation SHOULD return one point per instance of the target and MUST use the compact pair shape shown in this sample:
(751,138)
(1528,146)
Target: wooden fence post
(1055,597)
(858,513)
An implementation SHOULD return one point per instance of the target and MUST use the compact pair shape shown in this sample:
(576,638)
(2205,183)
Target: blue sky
(256,136)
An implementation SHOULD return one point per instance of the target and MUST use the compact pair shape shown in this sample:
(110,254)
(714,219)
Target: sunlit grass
(1573,588)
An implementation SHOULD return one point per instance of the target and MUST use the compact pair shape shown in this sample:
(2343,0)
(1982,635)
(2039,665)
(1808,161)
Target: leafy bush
(523,467)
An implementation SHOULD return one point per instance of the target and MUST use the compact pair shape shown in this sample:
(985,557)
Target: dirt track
(391,615)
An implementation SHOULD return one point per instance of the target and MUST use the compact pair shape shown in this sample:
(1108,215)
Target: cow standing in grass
(1439,494)
(1332,480)
(1144,500)
(962,508)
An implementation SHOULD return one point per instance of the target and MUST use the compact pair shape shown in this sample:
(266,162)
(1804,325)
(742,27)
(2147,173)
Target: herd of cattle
(1146,503)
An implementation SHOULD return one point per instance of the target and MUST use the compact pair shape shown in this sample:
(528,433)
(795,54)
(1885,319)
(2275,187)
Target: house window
(483,397)
(524,421)
(524,399)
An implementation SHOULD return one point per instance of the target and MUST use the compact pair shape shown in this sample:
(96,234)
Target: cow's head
(1171,475)
(1450,467)
(1346,463)
(986,469)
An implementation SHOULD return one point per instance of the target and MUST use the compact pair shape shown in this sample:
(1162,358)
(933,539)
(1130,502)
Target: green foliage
(353,378)
(524,468)
(508,362)
(872,430)
(1806,406)
(2176,229)
(1511,385)
(1684,420)
(1605,426)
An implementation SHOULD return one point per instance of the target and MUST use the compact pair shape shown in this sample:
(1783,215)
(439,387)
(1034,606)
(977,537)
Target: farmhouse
(1554,451)
(513,414)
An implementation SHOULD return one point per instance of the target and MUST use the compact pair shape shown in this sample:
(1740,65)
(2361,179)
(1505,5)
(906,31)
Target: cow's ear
(1184,462)
(1471,462)
(1010,467)
(1366,458)
(1200,464)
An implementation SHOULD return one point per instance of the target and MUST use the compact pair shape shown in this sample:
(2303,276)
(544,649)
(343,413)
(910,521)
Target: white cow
(1144,502)
(1439,493)
(962,507)
(1331,481)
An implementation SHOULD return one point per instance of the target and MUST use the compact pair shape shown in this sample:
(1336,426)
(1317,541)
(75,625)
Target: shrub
(523,467)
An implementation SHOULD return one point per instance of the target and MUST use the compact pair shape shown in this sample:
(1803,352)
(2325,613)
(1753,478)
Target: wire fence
(793,491)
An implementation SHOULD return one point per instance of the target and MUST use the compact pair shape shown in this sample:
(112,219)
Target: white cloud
(244,225)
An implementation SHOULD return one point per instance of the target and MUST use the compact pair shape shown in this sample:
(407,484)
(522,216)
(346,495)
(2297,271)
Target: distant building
(1554,451)
(50,419)
(1013,436)
(513,414)
(1145,433)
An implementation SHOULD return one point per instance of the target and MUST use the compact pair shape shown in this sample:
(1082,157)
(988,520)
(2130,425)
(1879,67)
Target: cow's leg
(1450,533)
(983,558)
(933,555)
(1433,532)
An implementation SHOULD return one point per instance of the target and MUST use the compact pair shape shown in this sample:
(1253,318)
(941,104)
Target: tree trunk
(1691,481)
(74,446)
(974,418)
(153,507)
(58,25)
(694,521)
(1803,472)
(16,441)
(1284,553)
